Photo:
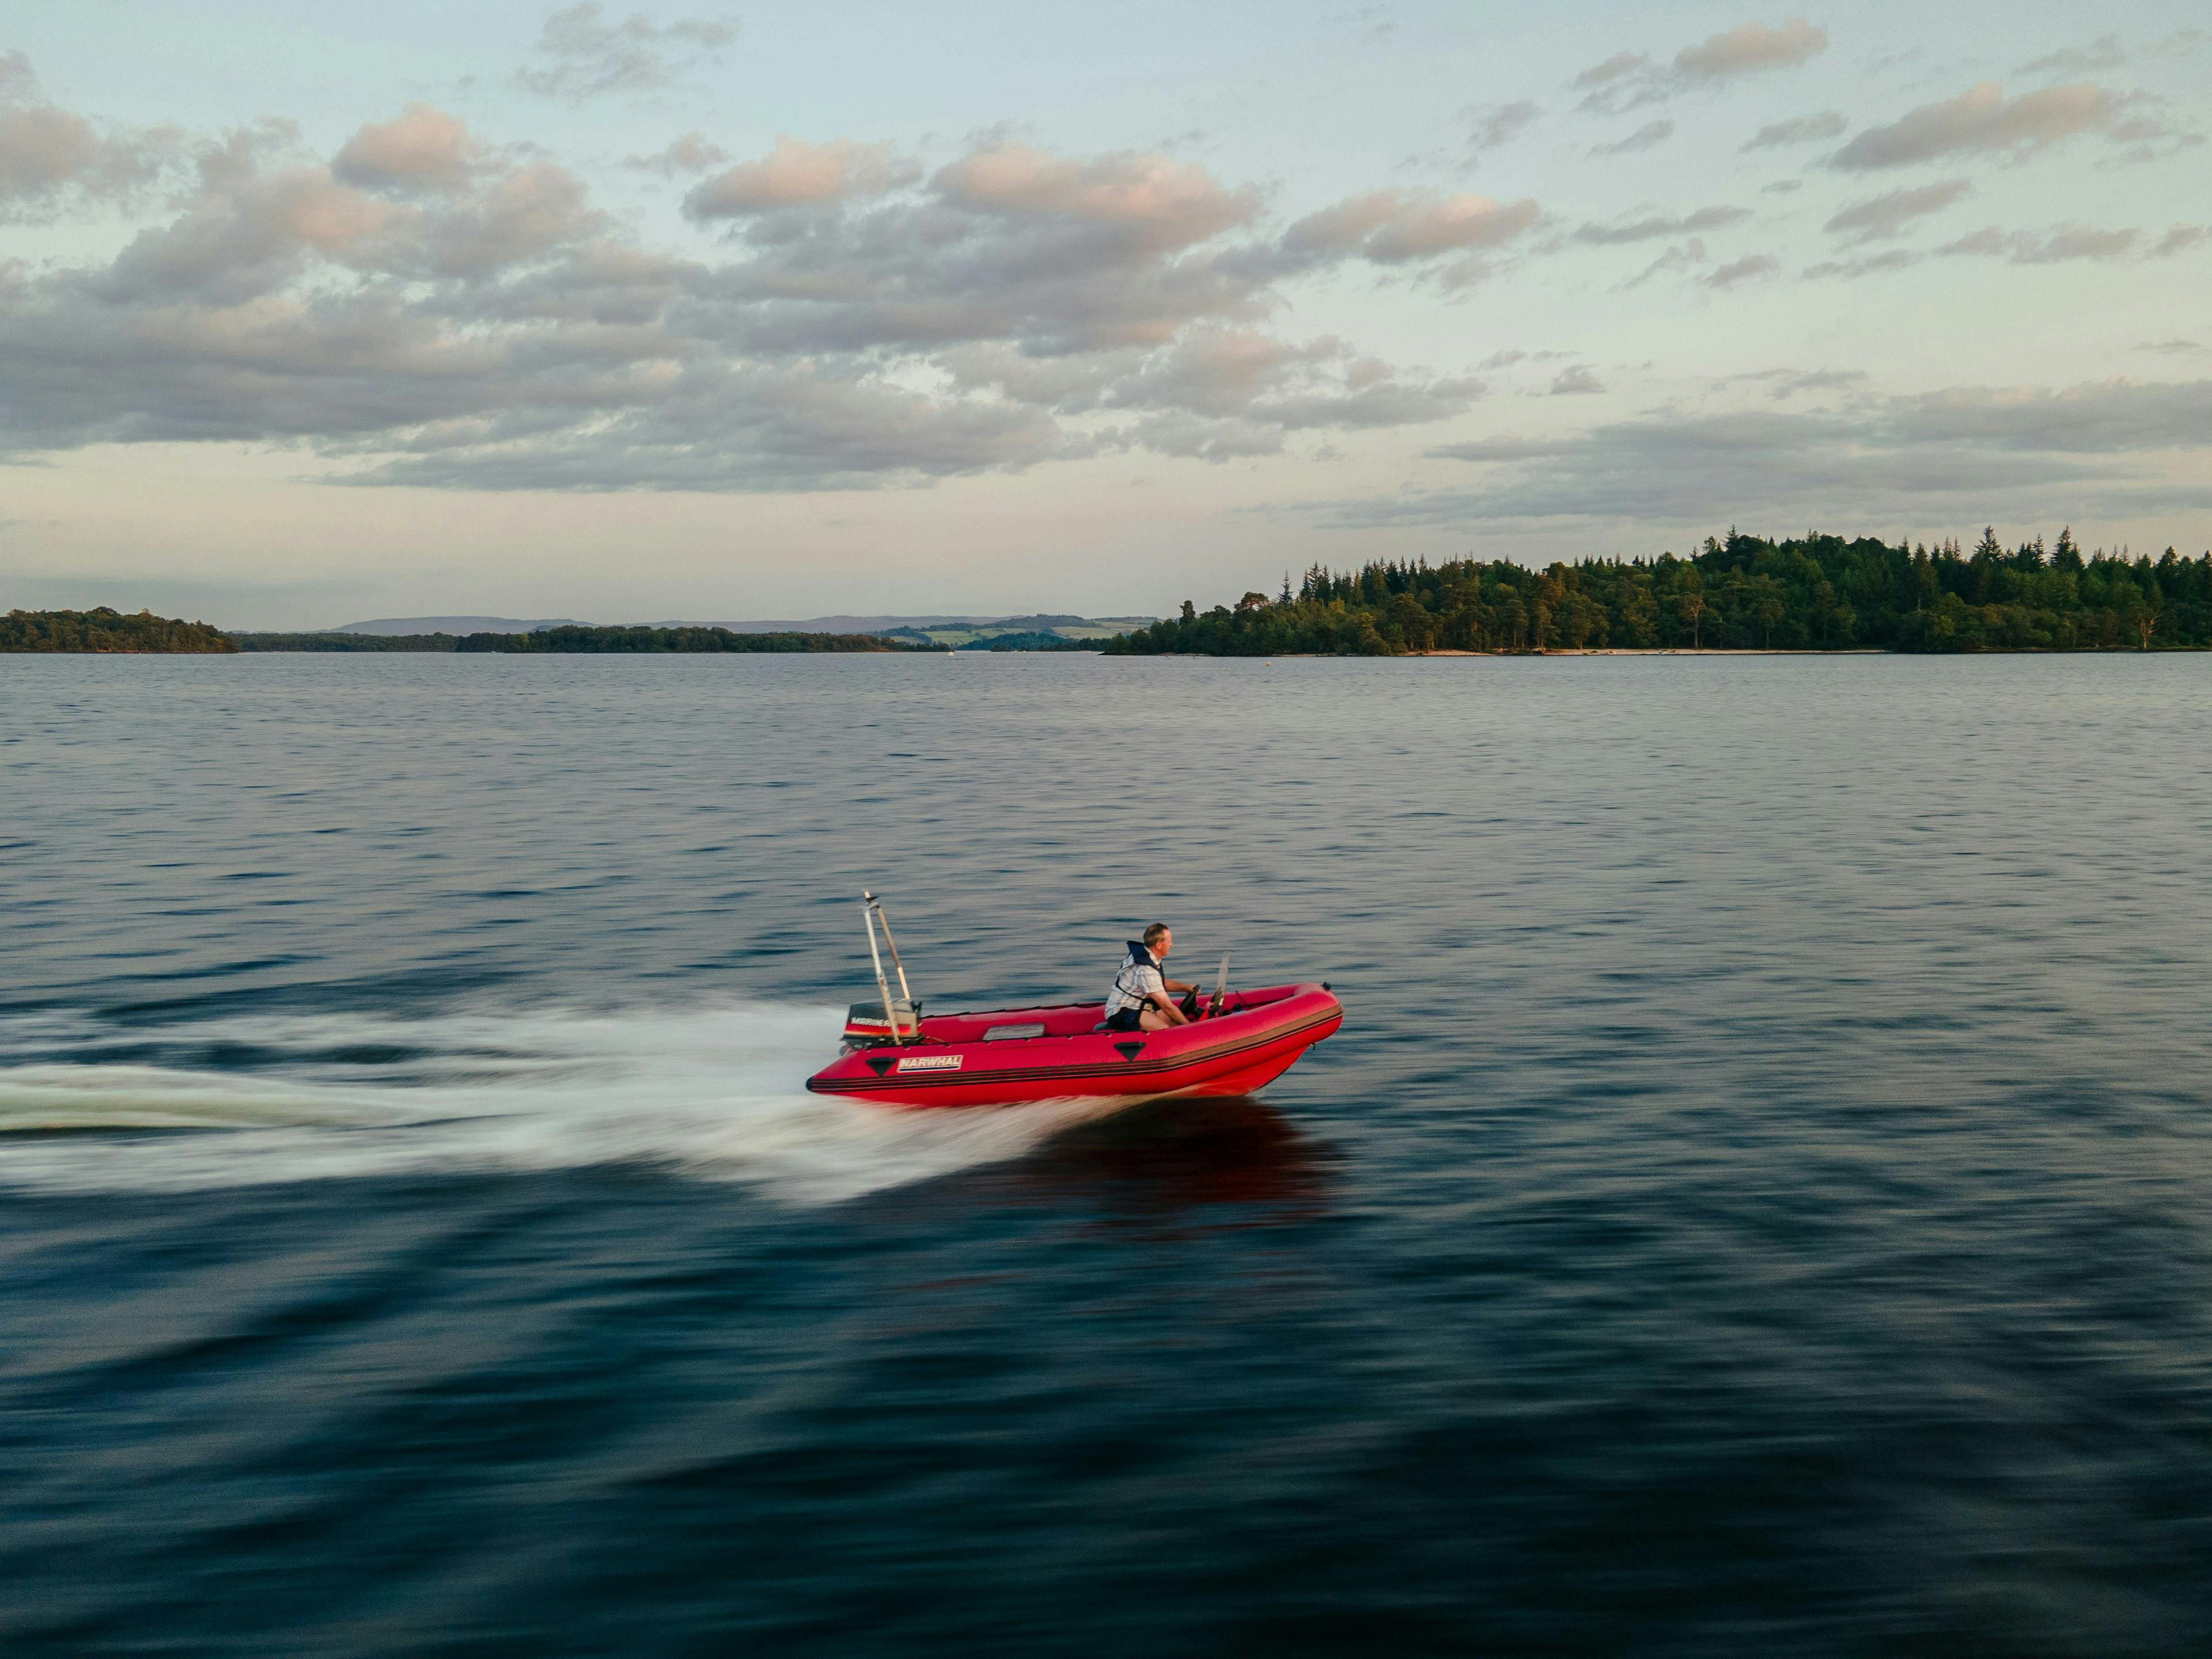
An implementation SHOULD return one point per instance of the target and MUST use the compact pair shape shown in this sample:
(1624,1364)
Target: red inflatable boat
(1242,1041)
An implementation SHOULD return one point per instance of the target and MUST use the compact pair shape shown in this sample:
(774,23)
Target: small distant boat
(1240,1041)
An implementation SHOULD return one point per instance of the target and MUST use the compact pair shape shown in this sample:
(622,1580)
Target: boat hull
(955,1062)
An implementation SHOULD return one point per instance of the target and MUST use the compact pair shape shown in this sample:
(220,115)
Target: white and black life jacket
(1132,990)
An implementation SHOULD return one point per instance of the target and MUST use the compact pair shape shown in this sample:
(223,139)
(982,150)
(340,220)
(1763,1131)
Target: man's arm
(1164,1004)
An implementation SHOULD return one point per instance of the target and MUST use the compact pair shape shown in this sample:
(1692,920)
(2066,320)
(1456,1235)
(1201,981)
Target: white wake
(712,1092)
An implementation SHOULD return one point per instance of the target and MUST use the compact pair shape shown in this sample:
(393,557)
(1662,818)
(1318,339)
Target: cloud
(1621,67)
(585,56)
(797,174)
(2148,136)
(2069,242)
(1938,456)
(2102,417)
(423,304)
(1783,187)
(1745,270)
(1220,393)
(1682,257)
(2025,247)
(423,149)
(1056,253)
(1654,226)
(1783,383)
(1366,22)
(1650,135)
(1874,265)
(1391,227)
(18,80)
(1981,120)
(426,308)
(1693,469)
(525,213)
(1750,47)
(1322,384)
(1160,202)
(1507,359)
(1628,79)
(2102,53)
(2171,348)
(42,150)
(733,427)
(1800,130)
(263,214)
(692,152)
(1576,382)
(1873,218)
(51,157)
(1491,125)
(1193,437)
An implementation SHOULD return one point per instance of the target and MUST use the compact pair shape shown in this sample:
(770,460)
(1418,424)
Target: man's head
(1158,940)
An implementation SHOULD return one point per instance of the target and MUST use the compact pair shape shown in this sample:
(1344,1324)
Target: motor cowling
(867,1027)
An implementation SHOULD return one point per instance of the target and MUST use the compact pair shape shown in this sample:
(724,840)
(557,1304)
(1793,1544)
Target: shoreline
(1717,651)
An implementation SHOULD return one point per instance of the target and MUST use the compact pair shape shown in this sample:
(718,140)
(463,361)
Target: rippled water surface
(1760,1201)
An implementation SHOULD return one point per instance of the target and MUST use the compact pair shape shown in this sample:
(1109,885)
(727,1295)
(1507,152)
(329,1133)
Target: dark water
(1760,1201)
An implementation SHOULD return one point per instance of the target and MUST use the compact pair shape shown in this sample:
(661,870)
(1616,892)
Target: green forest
(103,630)
(1815,593)
(347,641)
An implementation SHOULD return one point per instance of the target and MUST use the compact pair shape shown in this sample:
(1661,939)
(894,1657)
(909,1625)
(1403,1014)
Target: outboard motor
(866,1025)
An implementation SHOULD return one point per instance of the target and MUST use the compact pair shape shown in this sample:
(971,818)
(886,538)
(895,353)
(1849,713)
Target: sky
(314,312)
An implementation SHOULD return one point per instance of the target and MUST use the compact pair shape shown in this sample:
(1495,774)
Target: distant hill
(455,625)
(638,638)
(832,624)
(460,625)
(931,629)
(1039,633)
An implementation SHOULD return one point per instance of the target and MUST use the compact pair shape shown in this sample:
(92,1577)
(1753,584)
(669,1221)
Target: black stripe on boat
(1069,1073)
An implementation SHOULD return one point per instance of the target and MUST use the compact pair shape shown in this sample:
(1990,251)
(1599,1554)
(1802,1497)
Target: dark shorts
(1129,1019)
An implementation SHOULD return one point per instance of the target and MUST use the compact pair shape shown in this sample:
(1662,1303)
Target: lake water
(1760,1201)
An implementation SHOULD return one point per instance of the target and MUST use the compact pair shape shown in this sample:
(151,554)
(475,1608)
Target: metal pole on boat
(898,967)
(890,1010)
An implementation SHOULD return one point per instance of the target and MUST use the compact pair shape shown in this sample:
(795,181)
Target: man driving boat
(1143,997)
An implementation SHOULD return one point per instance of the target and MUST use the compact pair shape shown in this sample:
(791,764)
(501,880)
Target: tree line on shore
(1028,638)
(319,641)
(1812,593)
(102,629)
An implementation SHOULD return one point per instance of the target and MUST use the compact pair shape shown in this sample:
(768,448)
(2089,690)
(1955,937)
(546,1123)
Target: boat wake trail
(709,1093)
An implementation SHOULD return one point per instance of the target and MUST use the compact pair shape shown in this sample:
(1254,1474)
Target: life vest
(1129,991)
